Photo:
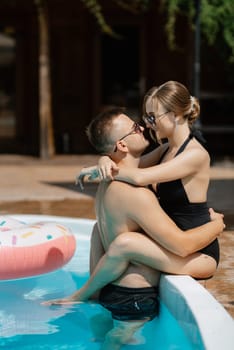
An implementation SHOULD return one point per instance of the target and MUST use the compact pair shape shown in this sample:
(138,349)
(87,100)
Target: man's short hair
(99,130)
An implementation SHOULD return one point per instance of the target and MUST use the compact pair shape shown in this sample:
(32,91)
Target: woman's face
(158,119)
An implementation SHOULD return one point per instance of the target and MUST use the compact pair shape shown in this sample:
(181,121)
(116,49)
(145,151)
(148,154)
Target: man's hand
(64,301)
(216,216)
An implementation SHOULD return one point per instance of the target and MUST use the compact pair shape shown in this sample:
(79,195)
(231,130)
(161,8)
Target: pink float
(29,250)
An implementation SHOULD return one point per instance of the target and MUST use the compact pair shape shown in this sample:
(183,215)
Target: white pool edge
(190,302)
(202,317)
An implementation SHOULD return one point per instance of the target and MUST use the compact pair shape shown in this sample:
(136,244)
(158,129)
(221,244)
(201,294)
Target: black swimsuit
(173,199)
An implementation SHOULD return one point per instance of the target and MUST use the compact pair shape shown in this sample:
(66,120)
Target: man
(121,208)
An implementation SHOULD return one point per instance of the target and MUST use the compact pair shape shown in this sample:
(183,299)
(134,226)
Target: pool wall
(202,317)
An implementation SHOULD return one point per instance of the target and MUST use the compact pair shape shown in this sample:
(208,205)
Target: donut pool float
(33,249)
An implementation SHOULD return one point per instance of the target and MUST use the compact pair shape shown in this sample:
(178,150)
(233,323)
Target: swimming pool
(26,324)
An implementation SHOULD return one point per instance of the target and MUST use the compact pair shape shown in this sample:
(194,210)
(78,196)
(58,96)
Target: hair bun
(194,110)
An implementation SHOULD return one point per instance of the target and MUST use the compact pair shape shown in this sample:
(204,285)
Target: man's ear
(122,146)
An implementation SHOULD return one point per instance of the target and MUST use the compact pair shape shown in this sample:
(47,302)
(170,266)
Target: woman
(181,178)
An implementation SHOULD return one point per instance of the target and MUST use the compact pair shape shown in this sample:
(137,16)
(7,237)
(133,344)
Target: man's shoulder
(129,201)
(124,189)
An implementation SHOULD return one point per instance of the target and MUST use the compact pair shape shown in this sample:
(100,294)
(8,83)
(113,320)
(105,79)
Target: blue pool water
(26,324)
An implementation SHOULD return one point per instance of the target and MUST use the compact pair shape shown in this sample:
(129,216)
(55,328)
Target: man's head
(112,131)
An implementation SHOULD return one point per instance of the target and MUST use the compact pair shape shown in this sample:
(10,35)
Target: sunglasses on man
(136,129)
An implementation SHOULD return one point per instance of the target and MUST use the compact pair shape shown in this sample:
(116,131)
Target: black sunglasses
(136,129)
(151,118)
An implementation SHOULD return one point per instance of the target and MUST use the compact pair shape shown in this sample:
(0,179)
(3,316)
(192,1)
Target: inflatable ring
(28,250)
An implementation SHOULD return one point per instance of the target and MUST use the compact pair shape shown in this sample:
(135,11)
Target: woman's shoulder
(196,144)
(197,152)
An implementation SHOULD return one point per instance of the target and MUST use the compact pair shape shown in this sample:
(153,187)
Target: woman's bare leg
(135,247)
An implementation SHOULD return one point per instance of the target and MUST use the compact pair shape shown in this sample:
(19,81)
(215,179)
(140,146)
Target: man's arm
(96,248)
(156,223)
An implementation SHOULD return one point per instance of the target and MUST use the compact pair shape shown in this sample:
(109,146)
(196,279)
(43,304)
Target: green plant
(95,8)
(216,16)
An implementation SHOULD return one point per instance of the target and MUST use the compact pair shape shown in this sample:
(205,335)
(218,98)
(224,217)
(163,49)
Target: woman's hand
(107,168)
(92,173)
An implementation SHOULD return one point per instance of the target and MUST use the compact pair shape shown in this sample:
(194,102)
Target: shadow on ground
(90,189)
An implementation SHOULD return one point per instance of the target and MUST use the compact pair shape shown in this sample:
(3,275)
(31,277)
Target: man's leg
(121,334)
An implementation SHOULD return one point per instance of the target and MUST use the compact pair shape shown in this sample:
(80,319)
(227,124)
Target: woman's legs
(136,247)
(139,248)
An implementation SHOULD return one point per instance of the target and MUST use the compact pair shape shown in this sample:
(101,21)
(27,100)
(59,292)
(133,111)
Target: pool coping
(192,305)
(204,320)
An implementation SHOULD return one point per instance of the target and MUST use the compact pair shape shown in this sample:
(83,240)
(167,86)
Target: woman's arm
(161,228)
(108,168)
(152,157)
(185,164)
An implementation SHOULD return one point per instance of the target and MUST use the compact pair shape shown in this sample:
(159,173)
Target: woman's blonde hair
(176,98)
